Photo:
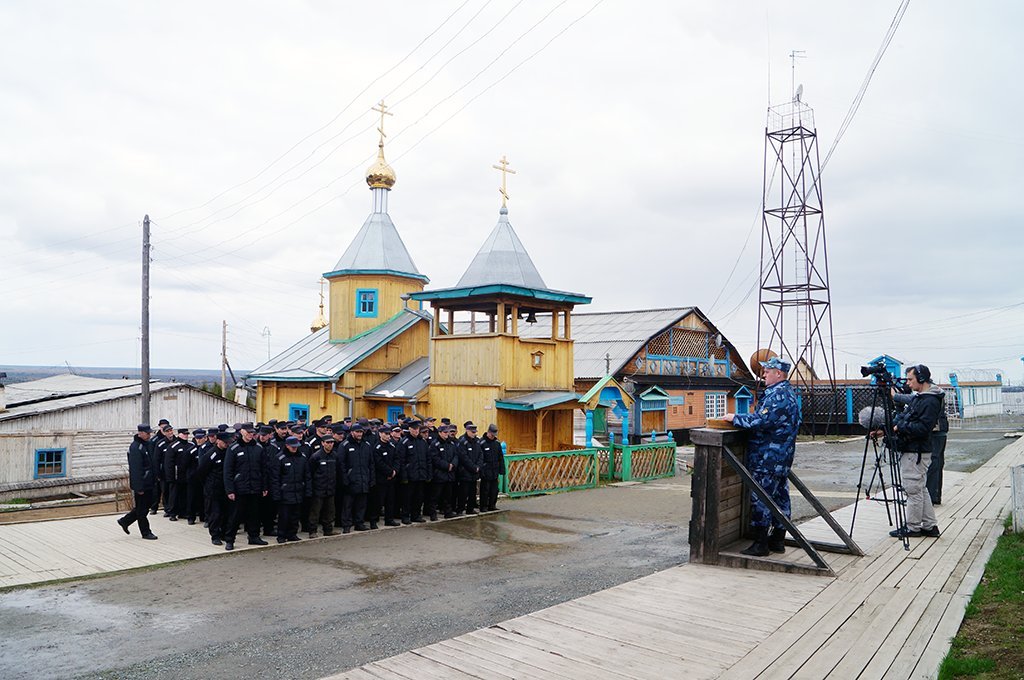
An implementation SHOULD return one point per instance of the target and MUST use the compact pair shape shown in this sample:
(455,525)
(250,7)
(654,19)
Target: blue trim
(40,460)
(849,404)
(366,308)
(395,413)
(295,409)
(495,289)
(515,406)
(376,272)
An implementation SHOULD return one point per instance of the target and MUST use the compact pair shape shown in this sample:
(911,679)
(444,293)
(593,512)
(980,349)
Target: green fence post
(502,481)
(627,463)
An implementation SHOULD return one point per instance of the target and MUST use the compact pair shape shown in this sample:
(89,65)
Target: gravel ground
(309,609)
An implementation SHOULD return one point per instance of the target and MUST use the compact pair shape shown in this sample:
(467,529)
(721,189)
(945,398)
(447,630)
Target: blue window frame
(366,302)
(298,412)
(50,463)
(395,414)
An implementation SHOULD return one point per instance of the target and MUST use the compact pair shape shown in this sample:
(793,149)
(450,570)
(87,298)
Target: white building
(71,433)
(977,392)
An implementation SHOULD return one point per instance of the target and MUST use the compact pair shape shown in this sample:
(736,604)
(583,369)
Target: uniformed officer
(290,485)
(357,476)
(773,428)
(323,466)
(194,489)
(492,468)
(211,473)
(445,459)
(176,464)
(158,444)
(246,481)
(471,459)
(387,467)
(415,458)
(142,480)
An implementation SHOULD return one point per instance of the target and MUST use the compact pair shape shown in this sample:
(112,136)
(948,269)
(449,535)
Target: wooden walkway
(890,614)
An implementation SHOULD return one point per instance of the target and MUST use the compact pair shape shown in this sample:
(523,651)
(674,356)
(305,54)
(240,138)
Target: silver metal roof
(406,384)
(129,389)
(377,247)
(57,386)
(316,358)
(502,259)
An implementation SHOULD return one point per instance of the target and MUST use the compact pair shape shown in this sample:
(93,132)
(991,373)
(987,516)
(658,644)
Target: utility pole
(224,359)
(145,319)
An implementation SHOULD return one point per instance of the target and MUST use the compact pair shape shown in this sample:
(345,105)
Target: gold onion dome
(319,322)
(380,175)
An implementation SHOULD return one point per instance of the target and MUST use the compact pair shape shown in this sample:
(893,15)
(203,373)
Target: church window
(366,302)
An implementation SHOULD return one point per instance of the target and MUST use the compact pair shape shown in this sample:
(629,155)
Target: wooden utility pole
(224,359)
(145,319)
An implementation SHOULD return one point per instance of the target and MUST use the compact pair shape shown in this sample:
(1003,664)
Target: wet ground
(309,609)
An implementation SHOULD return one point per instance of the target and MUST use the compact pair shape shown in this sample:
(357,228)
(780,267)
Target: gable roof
(377,249)
(69,401)
(406,384)
(316,358)
(59,386)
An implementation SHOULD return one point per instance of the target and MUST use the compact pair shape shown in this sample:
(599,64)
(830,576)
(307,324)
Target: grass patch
(990,644)
(18,501)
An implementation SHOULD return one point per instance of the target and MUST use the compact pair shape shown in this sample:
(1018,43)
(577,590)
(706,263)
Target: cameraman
(913,427)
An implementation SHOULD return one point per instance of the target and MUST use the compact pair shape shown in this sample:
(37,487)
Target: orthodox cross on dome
(322,282)
(505,172)
(382,109)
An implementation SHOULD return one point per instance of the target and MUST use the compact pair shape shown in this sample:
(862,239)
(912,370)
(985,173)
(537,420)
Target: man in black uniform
(290,485)
(194,489)
(356,465)
(445,459)
(142,480)
(158,444)
(323,466)
(268,508)
(211,474)
(387,468)
(246,481)
(493,467)
(415,459)
(471,458)
(175,467)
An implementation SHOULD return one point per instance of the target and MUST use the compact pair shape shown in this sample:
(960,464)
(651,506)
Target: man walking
(773,427)
(142,480)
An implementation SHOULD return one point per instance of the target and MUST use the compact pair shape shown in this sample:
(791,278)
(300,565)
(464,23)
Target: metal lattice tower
(795,305)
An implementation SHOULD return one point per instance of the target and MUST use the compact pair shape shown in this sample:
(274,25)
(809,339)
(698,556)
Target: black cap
(222,427)
(280,424)
(329,440)
(356,428)
(164,421)
(182,430)
(446,421)
(292,441)
(143,427)
(396,428)
(199,433)
(429,419)
(298,428)
(272,422)
(266,429)
(415,423)
(225,436)
(348,419)
(248,427)
(338,427)
(492,428)
(468,425)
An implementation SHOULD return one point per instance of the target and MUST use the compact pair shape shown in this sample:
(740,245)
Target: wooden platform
(890,614)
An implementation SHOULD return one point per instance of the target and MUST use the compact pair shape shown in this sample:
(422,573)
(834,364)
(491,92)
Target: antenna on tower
(793,56)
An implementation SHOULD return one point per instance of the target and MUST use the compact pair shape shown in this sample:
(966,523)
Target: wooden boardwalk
(890,614)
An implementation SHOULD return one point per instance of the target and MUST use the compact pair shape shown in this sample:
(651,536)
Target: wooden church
(382,356)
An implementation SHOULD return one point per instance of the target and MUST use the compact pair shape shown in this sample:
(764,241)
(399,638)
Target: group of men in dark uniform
(277,478)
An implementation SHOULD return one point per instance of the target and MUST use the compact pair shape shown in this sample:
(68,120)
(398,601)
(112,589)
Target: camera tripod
(886,457)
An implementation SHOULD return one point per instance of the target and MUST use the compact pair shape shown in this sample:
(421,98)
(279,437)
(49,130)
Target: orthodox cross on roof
(505,172)
(322,282)
(383,110)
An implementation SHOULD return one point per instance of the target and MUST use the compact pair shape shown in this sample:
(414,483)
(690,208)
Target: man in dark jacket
(387,468)
(415,458)
(323,465)
(176,462)
(142,480)
(471,459)
(158,445)
(492,468)
(445,458)
(211,474)
(268,508)
(290,485)
(246,481)
(913,427)
(356,464)
(193,488)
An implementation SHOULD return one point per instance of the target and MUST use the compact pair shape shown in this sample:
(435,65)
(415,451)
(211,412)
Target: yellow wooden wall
(518,430)
(343,320)
(502,360)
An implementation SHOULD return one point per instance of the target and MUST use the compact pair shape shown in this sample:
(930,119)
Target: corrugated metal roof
(73,401)
(316,358)
(406,384)
(377,247)
(57,386)
(502,259)
(534,401)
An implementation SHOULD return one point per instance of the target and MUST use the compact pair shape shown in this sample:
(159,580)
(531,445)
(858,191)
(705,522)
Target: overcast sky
(637,130)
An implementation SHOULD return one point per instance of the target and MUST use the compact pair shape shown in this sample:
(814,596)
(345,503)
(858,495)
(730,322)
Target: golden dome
(380,175)
(319,322)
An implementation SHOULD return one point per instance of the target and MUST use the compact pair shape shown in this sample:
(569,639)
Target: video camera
(883,377)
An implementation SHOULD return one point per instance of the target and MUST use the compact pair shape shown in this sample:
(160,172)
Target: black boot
(777,541)
(759,548)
